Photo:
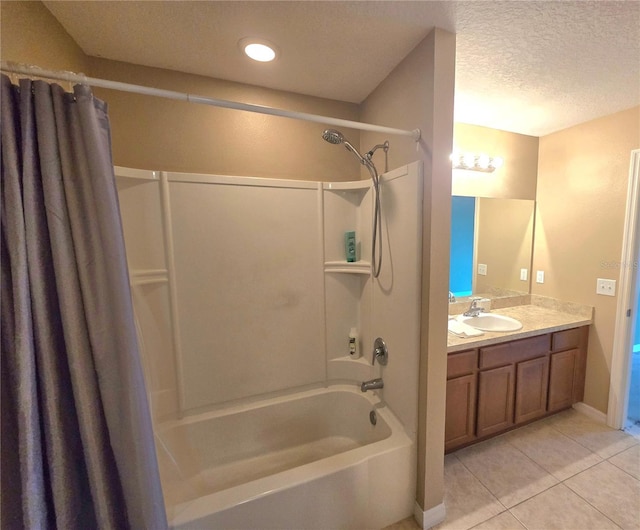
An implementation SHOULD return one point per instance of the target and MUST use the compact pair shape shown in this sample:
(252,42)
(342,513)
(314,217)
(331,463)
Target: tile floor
(563,472)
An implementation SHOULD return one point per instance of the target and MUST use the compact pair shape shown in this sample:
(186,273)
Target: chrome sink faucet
(474,309)
(452,297)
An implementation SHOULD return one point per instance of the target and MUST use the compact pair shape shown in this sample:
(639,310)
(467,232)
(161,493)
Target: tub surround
(538,314)
(237,325)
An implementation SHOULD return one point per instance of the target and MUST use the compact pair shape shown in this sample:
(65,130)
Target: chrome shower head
(332,136)
(336,137)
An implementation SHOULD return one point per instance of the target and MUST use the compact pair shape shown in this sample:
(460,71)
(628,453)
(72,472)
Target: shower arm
(385,148)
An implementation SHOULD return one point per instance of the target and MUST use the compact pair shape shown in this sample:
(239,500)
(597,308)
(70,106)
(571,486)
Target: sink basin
(491,322)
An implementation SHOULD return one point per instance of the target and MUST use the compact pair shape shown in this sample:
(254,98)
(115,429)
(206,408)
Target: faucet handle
(380,352)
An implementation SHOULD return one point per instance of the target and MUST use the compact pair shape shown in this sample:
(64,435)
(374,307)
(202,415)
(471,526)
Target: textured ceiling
(524,66)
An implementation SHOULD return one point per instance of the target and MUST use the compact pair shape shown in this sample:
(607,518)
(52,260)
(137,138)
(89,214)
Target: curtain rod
(182,96)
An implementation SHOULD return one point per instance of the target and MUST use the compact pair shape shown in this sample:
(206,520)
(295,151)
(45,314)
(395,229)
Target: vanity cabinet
(494,388)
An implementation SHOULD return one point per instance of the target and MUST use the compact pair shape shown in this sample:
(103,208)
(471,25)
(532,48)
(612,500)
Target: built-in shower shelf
(353,185)
(356,267)
(148,276)
(138,174)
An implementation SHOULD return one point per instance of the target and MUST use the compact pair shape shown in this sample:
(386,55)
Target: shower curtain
(77,442)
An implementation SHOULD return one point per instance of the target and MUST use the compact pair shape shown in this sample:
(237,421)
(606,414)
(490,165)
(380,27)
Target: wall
(419,93)
(516,179)
(581,197)
(31,35)
(155,133)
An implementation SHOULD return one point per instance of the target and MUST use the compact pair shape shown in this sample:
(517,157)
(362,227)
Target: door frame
(627,302)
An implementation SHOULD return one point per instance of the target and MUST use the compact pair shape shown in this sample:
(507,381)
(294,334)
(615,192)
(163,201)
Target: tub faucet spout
(374,384)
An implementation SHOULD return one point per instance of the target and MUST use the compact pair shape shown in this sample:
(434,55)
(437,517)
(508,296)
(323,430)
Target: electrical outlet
(482,269)
(539,276)
(524,274)
(606,287)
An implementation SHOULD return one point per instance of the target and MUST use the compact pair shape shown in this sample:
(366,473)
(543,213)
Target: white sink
(491,322)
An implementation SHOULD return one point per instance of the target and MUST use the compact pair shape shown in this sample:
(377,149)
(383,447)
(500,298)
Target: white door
(627,303)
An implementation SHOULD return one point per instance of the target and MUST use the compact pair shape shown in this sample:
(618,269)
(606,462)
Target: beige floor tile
(505,471)
(612,491)
(596,437)
(552,450)
(561,509)
(406,524)
(504,521)
(628,461)
(466,500)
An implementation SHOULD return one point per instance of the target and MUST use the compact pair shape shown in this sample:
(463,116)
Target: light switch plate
(539,276)
(524,274)
(482,269)
(606,287)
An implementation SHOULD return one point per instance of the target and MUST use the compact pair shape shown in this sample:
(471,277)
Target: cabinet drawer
(568,339)
(462,363)
(514,352)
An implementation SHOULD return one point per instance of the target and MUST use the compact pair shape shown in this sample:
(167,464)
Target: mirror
(491,246)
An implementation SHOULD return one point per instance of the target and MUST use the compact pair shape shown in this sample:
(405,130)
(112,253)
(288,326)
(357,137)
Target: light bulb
(258,49)
(483,161)
(260,52)
(468,159)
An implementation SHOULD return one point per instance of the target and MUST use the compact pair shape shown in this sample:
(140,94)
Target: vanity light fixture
(474,162)
(258,49)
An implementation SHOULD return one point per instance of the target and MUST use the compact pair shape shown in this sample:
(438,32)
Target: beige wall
(516,179)
(31,35)
(419,93)
(581,198)
(155,133)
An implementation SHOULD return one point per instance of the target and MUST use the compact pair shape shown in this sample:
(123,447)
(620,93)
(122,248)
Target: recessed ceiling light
(258,49)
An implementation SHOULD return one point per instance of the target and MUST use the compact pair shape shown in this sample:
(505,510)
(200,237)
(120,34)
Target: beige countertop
(537,318)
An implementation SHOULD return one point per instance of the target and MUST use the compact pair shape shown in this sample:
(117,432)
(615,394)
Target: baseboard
(431,517)
(588,410)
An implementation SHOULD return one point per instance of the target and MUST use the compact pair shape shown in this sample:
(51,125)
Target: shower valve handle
(380,352)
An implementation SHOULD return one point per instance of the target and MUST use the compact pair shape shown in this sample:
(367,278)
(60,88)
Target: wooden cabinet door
(460,420)
(532,379)
(561,379)
(495,399)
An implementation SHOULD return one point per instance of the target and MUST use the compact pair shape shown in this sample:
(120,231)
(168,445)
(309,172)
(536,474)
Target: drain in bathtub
(373,418)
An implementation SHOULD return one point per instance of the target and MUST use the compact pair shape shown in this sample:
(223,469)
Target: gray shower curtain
(77,443)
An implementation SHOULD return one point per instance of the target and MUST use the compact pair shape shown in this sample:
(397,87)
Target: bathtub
(309,460)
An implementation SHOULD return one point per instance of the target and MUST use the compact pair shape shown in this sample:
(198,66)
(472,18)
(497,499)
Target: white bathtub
(311,460)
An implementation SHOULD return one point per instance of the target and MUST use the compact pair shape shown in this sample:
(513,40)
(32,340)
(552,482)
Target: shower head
(336,137)
(332,136)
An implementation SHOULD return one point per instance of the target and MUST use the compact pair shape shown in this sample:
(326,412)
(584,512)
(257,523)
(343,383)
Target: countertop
(536,319)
